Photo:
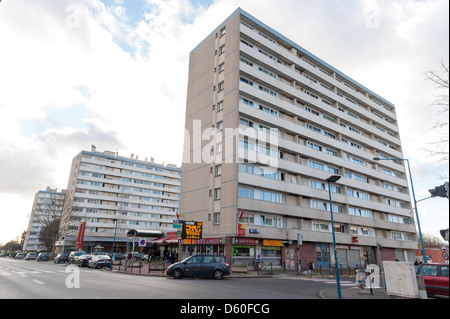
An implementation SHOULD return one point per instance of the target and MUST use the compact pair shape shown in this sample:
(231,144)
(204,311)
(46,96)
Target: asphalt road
(21,279)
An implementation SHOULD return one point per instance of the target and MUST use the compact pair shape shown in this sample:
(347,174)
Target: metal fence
(140,267)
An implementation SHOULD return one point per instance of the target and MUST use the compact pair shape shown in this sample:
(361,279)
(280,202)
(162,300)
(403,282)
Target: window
(216,218)
(220,125)
(246,168)
(223,31)
(362,231)
(320,226)
(270,197)
(220,106)
(222,67)
(194,260)
(222,49)
(248,218)
(218,170)
(246,81)
(428,270)
(218,147)
(221,86)
(360,212)
(245,192)
(246,101)
(217,193)
(269,91)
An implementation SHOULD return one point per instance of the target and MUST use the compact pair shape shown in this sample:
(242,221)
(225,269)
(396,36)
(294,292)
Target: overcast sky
(113,73)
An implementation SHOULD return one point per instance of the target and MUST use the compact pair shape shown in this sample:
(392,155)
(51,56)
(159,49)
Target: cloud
(76,73)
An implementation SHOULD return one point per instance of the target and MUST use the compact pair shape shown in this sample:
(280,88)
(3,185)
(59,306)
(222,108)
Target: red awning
(171,240)
(165,241)
(158,241)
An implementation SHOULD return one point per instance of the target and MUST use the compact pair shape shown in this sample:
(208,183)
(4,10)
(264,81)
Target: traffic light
(440,191)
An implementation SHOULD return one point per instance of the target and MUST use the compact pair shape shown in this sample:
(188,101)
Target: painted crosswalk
(331,281)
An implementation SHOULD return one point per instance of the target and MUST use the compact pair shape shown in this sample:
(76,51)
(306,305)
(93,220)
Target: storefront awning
(165,241)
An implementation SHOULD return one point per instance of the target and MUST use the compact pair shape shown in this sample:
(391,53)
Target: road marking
(332,281)
(5,274)
(20,273)
(38,282)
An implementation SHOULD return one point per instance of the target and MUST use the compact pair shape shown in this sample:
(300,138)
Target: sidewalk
(354,293)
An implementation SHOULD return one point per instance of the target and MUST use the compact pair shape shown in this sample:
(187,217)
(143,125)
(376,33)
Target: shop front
(208,246)
(271,252)
(244,252)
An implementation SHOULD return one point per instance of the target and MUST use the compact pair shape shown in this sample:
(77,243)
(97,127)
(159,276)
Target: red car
(435,277)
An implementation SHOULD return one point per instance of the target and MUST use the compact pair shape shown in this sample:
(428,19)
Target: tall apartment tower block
(115,195)
(267,123)
(47,206)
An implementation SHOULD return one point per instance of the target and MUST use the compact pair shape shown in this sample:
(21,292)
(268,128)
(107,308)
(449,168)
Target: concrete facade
(267,123)
(47,206)
(104,187)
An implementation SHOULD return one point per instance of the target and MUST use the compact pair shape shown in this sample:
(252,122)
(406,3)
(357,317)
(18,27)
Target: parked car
(74,254)
(99,261)
(82,260)
(19,256)
(61,258)
(43,257)
(30,256)
(435,277)
(200,266)
(118,256)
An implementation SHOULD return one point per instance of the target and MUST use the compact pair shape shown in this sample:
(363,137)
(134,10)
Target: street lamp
(334,179)
(414,198)
(114,243)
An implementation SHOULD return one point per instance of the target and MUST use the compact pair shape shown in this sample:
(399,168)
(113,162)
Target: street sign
(142,242)
(445,255)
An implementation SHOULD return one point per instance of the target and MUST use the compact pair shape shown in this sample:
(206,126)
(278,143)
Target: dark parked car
(200,266)
(30,256)
(74,254)
(82,260)
(43,257)
(435,277)
(118,256)
(99,261)
(61,258)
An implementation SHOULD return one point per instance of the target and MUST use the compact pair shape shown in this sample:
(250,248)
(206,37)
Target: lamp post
(414,198)
(114,243)
(333,179)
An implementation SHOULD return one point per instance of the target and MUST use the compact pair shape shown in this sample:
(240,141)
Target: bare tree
(48,216)
(430,239)
(54,224)
(440,80)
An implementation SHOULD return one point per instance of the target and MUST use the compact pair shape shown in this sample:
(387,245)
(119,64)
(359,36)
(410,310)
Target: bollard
(421,286)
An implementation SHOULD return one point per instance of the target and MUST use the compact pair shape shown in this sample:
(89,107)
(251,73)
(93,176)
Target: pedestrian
(130,255)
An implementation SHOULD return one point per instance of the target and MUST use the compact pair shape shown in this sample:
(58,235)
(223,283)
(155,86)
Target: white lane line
(38,282)
(20,273)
